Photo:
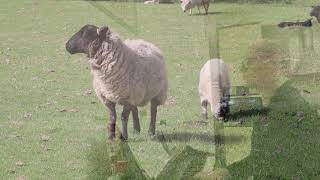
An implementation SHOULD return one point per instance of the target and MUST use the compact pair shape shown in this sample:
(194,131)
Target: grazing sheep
(214,88)
(315,12)
(130,73)
(307,23)
(151,2)
(189,4)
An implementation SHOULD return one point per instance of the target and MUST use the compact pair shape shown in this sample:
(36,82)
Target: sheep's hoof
(205,116)
(123,138)
(152,135)
(135,131)
(111,137)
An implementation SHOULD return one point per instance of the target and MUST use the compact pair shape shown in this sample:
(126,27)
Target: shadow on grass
(184,165)
(113,160)
(246,114)
(274,156)
(104,158)
(209,13)
(206,138)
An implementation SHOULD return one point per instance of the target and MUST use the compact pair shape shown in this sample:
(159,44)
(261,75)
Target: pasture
(52,126)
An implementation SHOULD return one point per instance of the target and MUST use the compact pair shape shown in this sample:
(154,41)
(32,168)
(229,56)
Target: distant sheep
(214,88)
(307,23)
(189,4)
(130,73)
(315,12)
(151,2)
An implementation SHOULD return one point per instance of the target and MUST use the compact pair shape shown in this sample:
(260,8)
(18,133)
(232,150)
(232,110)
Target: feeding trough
(243,99)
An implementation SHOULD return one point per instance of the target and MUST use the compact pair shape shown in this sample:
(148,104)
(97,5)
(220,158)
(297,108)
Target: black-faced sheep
(187,5)
(214,88)
(315,12)
(130,73)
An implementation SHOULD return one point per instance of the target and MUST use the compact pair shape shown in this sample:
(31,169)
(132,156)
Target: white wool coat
(214,84)
(131,71)
(193,3)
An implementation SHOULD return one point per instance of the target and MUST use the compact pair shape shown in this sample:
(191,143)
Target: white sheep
(214,88)
(189,4)
(130,73)
(151,2)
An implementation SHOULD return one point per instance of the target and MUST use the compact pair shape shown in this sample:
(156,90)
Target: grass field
(52,126)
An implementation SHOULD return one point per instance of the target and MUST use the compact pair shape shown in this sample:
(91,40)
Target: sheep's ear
(102,31)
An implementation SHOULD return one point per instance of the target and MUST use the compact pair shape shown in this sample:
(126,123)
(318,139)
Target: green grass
(32,36)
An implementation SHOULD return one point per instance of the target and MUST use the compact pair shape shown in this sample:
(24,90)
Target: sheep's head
(224,110)
(185,5)
(315,12)
(87,40)
(221,110)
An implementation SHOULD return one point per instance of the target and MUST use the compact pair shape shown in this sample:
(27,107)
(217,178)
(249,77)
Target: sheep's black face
(79,42)
(315,12)
(224,110)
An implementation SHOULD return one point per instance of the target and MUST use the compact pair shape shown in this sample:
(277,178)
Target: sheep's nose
(69,48)
(67,45)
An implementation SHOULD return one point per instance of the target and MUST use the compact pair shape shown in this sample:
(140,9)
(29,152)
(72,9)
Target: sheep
(73,46)
(214,88)
(189,4)
(130,73)
(307,23)
(151,2)
(315,12)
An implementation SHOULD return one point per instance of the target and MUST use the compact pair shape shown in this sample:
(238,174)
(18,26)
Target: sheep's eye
(86,34)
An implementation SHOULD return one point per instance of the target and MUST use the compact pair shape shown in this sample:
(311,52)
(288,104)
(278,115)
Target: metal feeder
(242,99)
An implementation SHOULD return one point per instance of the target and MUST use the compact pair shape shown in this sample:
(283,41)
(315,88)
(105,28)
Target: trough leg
(113,116)
(153,108)
(204,106)
(124,118)
(135,117)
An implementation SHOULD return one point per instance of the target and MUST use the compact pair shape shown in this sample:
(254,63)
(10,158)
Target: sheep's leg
(153,108)
(199,9)
(204,106)
(113,116)
(124,118)
(135,117)
(190,11)
(206,7)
